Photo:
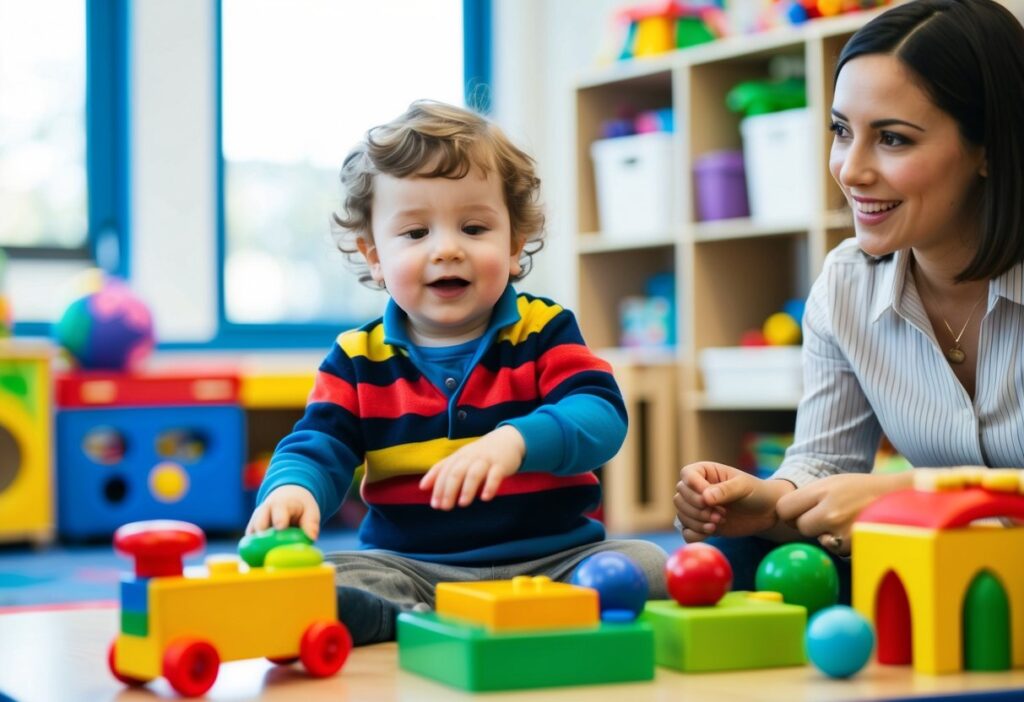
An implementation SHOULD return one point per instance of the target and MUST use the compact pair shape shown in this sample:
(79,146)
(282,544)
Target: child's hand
(487,461)
(288,505)
(712,498)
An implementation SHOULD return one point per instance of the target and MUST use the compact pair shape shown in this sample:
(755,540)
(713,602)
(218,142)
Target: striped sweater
(373,403)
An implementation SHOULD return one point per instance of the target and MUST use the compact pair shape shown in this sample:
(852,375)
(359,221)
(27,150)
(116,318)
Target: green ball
(254,547)
(804,574)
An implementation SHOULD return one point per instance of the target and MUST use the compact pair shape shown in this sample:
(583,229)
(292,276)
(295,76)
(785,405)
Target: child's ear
(518,243)
(369,252)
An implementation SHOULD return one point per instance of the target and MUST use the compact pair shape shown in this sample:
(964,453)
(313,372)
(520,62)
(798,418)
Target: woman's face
(907,174)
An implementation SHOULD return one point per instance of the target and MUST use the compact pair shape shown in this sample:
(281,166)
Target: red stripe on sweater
(564,361)
(486,388)
(332,389)
(401,397)
(404,490)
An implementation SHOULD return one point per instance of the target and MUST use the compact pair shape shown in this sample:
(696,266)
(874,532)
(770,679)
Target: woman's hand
(712,498)
(827,508)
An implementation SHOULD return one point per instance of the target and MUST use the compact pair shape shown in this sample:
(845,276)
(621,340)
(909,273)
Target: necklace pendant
(955,355)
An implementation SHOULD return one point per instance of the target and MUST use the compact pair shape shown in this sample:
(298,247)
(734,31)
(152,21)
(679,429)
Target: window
(63,144)
(301,81)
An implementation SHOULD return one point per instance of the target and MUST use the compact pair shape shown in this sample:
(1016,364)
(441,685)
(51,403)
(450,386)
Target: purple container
(721,186)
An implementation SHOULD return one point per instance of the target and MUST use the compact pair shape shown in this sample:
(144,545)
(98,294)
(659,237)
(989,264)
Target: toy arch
(943,510)
(986,624)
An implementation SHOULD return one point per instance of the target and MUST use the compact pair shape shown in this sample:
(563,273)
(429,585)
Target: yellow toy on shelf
(280,604)
(26,435)
(944,590)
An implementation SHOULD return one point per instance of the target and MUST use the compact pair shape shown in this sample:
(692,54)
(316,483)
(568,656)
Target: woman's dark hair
(968,56)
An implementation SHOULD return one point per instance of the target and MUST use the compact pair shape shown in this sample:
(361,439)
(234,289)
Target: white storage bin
(777,159)
(634,184)
(752,375)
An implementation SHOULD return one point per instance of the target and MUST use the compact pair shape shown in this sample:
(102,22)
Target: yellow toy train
(279,604)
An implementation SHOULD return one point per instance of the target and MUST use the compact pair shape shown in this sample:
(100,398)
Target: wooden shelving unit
(731,274)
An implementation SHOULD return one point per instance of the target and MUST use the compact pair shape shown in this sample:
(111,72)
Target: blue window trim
(477,39)
(107,114)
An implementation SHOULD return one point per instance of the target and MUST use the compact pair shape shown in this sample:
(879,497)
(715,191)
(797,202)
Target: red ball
(698,575)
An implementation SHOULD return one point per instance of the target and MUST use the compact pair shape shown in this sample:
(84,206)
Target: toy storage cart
(138,447)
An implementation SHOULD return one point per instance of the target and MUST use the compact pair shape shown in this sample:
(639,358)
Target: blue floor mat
(63,575)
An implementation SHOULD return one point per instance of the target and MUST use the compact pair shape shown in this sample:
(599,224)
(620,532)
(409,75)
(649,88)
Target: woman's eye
(893,139)
(838,129)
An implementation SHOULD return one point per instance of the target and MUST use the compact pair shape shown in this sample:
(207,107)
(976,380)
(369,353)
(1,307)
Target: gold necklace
(955,354)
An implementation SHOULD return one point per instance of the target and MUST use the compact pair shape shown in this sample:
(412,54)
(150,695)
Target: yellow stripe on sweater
(369,344)
(534,315)
(413,458)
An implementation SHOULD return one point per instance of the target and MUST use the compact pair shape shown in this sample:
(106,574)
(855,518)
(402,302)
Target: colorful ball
(110,328)
(839,641)
(620,583)
(804,574)
(698,575)
(780,329)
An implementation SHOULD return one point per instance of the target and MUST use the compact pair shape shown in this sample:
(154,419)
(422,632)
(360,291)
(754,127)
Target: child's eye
(838,129)
(474,229)
(893,139)
(415,233)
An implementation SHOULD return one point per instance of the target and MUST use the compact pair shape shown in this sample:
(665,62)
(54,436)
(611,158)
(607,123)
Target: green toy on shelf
(759,97)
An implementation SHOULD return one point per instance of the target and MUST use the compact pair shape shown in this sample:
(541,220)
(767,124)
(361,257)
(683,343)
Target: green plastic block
(738,633)
(135,623)
(472,658)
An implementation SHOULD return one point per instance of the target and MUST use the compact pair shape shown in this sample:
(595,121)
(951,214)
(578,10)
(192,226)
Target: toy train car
(279,603)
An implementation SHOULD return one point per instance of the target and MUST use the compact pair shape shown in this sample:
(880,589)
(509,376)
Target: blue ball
(839,641)
(795,309)
(620,583)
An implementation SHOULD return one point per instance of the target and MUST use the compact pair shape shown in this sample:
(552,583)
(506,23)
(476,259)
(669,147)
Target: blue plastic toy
(839,641)
(620,583)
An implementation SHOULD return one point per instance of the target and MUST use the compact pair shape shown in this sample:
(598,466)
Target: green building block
(472,658)
(739,633)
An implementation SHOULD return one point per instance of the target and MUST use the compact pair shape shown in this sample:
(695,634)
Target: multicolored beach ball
(109,328)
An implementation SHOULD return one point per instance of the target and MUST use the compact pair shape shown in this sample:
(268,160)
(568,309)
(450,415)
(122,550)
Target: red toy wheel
(190,666)
(124,679)
(324,648)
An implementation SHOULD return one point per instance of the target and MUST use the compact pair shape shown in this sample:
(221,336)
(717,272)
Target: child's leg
(560,566)
(374,586)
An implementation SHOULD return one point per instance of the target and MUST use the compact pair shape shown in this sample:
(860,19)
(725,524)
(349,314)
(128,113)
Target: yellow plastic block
(1001,479)
(936,568)
(265,389)
(654,35)
(242,612)
(521,604)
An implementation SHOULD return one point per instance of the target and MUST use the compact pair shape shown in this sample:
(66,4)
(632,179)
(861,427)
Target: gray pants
(373,586)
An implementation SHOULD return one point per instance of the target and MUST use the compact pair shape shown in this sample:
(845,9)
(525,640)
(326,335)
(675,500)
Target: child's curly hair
(457,139)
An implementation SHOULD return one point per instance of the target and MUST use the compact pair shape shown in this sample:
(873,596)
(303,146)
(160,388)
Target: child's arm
(317,460)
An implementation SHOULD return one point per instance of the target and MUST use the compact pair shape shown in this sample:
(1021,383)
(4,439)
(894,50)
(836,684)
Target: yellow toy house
(939,576)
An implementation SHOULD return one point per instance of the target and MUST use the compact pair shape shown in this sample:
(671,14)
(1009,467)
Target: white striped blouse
(872,365)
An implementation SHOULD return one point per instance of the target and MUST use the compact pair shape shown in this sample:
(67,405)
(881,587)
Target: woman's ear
(369,252)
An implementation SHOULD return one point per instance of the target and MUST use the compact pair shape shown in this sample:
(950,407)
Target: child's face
(444,250)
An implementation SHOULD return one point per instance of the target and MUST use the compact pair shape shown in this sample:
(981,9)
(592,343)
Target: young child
(478,412)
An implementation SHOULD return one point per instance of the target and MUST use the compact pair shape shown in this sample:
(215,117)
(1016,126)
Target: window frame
(477,35)
(107,152)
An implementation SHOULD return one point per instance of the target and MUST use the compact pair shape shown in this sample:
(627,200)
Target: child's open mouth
(449,284)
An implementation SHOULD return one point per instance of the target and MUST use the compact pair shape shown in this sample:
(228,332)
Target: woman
(915,328)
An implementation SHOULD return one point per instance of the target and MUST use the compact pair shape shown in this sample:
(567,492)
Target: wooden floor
(61,657)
